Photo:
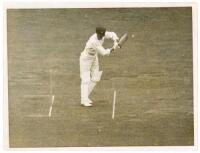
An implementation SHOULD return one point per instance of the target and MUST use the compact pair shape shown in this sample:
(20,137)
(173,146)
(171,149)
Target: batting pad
(96,77)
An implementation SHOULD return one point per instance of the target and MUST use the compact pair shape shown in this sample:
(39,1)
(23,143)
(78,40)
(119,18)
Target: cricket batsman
(89,64)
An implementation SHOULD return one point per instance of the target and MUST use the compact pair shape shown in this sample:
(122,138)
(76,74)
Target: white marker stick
(114,99)
(51,107)
(51,91)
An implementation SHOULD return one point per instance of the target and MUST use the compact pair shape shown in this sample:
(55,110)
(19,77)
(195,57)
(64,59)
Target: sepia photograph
(106,76)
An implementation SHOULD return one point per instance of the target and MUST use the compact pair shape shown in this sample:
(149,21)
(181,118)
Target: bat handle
(115,47)
(112,49)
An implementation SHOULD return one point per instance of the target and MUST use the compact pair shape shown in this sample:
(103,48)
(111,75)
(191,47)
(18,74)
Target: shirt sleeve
(100,49)
(111,35)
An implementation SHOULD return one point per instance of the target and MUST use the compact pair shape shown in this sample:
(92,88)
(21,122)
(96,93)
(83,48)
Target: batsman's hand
(116,45)
(112,49)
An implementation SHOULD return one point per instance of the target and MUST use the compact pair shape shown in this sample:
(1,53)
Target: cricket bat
(122,40)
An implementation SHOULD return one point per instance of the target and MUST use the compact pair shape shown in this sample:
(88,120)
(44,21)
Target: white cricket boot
(86,104)
(90,101)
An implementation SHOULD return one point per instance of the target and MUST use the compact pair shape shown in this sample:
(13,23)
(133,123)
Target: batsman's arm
(111,35)
(102,51)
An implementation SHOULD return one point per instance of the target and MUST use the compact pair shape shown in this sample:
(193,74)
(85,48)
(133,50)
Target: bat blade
(122,40)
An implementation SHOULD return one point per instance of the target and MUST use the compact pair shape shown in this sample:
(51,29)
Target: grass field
(152,75)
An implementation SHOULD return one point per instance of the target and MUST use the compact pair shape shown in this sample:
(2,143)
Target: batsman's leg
(85,79)
(95,75)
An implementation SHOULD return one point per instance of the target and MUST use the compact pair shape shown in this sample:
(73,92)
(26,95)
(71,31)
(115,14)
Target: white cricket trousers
(89,70)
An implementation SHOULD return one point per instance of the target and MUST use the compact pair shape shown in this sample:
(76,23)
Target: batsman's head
(100,31)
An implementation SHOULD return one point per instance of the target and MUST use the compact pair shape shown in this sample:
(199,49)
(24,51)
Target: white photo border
(100,4)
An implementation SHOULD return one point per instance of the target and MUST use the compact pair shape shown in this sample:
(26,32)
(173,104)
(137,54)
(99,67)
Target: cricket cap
(100,30)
